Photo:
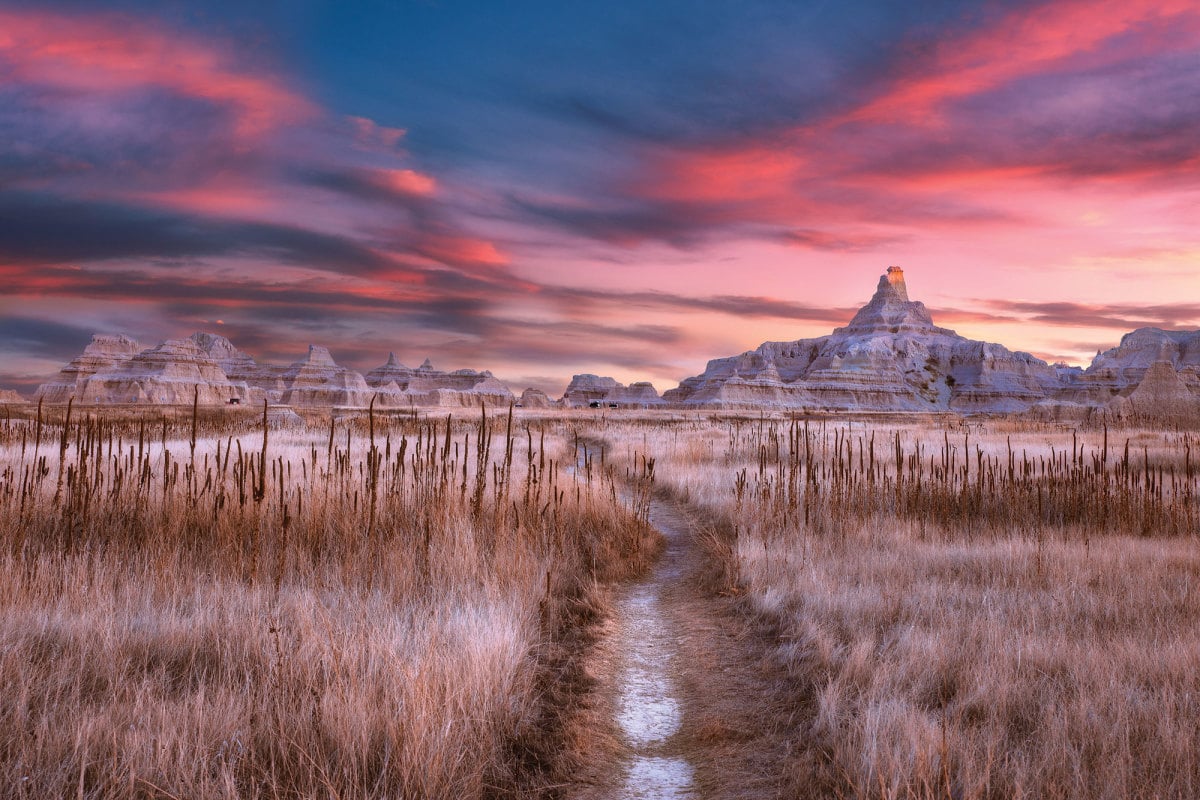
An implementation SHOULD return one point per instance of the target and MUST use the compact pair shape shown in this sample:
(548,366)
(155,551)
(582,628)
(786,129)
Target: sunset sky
(624,188)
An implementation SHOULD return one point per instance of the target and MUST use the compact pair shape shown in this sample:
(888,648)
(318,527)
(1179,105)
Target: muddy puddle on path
(648,708)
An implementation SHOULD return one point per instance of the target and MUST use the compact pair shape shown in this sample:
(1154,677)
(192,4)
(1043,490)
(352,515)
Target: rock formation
(891,357)
(587,388)
(1160,396)
(534,398)
(175,372)
(399,385)
(392,376)
(317,380)
(1114,372)
(115,369)
(640,394)
(8,397)
(258,382)
(104,351)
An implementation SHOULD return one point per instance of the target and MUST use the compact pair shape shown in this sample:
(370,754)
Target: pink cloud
(369,133)
(97,54)
(407,181)
(1028,42)
(916,154)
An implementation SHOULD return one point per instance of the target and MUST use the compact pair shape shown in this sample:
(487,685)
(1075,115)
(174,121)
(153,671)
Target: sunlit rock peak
(890,310)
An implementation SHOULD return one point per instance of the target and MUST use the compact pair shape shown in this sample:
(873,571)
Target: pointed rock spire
(890,310)
(320,355)
(895,279)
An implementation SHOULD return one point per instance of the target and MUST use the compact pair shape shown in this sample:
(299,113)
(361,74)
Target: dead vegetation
(404,607)
(965,615)
(383,607)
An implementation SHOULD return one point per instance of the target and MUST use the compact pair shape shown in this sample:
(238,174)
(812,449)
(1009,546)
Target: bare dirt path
(697,706)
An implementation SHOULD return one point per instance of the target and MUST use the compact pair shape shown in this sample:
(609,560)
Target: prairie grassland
(995,611)
(199,607)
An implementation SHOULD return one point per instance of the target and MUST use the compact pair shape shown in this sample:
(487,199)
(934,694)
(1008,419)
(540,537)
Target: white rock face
(640,394)
(175,372)
(891,357)
(587,388)
(1160,396)
(104,351)
(115,369)
(318,381)
(258,381)
(9,397)
(535,398)
(1124,366)
(391,373)
(399,385)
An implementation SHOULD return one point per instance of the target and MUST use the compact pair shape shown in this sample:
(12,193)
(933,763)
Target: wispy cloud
(1119,316)
(578,206)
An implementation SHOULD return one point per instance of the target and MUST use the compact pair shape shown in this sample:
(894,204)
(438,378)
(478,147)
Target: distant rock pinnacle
(895,278)
(890,310)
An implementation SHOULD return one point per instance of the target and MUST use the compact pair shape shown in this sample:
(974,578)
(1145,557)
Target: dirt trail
(694,699)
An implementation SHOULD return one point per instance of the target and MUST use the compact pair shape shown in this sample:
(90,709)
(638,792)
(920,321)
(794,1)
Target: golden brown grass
(377,607)
(1014,616)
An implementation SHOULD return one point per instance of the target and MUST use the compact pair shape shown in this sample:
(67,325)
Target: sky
(543,188)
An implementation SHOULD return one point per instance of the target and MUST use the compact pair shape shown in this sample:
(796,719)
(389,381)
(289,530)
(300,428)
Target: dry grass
(194,607)
(1005,610)
(1019,622)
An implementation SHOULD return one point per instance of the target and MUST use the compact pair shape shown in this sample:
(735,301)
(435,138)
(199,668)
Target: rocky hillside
(892,358)
(208,367)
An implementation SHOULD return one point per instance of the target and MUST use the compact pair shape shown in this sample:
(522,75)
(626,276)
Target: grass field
(395,606)
(376,608)
(984,611)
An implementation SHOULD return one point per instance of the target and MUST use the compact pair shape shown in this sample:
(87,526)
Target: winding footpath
(648,706)
(688,688)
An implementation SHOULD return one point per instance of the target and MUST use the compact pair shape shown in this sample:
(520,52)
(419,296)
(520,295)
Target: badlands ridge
(890,358)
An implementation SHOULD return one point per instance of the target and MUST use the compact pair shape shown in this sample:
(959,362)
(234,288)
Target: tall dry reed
(982,611)
(201,606)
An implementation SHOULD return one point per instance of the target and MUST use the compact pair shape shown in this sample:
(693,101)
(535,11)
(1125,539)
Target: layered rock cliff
(399,385)
(103,352)
(893,358)
(587,389)
(115,369)
(317,380)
